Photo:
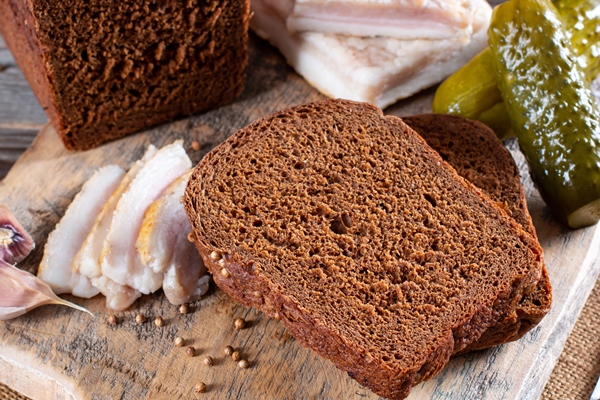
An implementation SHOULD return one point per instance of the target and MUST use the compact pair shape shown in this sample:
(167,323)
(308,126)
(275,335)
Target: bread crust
(480,157)
(241,272)
(100,77)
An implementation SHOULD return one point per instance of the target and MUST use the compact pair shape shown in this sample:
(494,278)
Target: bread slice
(102,70)
(480,157)
(345,225)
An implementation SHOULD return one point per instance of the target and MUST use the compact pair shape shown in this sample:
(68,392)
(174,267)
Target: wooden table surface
(21,118)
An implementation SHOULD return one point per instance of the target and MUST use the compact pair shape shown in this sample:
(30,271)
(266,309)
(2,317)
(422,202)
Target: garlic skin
(21,292)
(15,242)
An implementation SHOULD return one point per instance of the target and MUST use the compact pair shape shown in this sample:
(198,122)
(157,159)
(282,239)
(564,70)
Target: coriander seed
(215,256)
(225,273)
(196,145)
(208,361)
(228,350)
(239,323)
(236,356)
(159,321)
(243,364)
(179,341)
(200,387)
(184,308)
(190,351)
(112,320)
(140,319)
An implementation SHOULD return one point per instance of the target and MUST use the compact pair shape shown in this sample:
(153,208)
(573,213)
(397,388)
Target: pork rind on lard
(402,19)
(375,69)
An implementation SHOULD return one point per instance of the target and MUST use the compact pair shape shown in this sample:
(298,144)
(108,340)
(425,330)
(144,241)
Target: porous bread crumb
(371,250)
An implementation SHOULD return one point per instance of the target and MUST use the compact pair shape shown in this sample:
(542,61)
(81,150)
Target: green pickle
(551,107)
(472,92)
(581,19)
(469,91)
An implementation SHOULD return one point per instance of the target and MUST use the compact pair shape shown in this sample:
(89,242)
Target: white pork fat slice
(164,246)
(118,297)
(401,19)
(69,234)
(119,258)
(87,260)
(377,70)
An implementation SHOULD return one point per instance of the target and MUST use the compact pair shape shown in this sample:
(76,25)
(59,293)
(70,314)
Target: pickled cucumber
(550,106)
(472,92)
(469,91)
(581,19)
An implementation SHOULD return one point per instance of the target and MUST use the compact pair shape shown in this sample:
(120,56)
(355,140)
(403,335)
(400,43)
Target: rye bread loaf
(372,251)
(480,157)
(104,69)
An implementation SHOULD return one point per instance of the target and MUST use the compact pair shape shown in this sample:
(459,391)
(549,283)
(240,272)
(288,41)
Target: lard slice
(163,246)
(87,260)
(402,19)
(377,70)
(69,234)
(119,257)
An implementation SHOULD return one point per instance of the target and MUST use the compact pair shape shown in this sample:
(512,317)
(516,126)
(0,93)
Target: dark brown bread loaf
(477,155)
(348,227)
(104,69)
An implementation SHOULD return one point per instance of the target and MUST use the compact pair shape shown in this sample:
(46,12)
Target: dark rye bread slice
(372,251)
(479,156)
(104,69)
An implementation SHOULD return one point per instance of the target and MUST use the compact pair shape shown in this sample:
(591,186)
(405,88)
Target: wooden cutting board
(56,353)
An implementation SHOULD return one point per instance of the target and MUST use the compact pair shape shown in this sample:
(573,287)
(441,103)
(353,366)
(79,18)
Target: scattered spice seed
(191,237)
(184,308)
(215,256)
(221,262)
(196,145)
(112,320)
(190,351)
(257,294)
(179,341)
(243,364)
(225,273)
(208,361)
(228,350)
(159,321)
(200,387)
(140,319)
(239,323)
(236,356)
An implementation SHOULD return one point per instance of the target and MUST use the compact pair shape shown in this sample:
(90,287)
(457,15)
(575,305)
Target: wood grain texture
(21,116)
(58,353)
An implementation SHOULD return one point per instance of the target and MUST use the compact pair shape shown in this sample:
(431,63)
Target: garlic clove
(15,242)
(21,292)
